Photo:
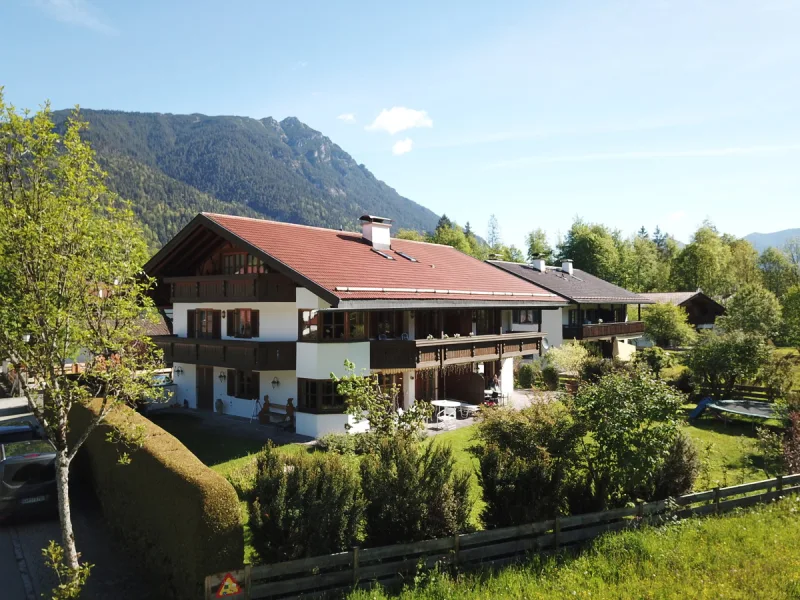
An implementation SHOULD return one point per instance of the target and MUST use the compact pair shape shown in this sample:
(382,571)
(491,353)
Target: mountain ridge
(775,239)
(172,166)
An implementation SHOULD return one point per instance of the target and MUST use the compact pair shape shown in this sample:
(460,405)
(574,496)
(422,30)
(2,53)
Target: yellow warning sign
(229,587)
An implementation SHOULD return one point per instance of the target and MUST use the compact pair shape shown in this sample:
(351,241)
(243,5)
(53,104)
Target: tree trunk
(67,535)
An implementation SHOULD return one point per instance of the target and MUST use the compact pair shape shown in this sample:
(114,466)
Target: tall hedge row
(179,518)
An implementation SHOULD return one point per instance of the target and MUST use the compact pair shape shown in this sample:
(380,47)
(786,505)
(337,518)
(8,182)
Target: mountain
(173,166)
(778,239)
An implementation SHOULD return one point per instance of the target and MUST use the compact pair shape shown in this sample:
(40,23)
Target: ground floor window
(242,384)
(318,395)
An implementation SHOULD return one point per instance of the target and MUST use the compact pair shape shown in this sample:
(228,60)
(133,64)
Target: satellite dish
(545,344)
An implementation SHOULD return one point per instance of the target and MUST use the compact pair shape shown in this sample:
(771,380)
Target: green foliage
(173,166)
(409,234)
(365,399)
(594,368)
(633,419)
(528,463)
(753,309)
(721,360)
(770,446)
(567,358)
(70,584)
(790,331)
(777,377)
(657,359)
(791,445)
(705,263)
(348,444)
(667,324)
(538,246)
(550,377)
(528,375)
(777,271)
(413,493)
(303,505)
(174,514)
(679,470)
(593,248)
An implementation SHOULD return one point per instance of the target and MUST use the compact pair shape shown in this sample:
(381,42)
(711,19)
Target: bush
(527,376)
(550,378)
(338,443)
(413,493)
(777,376)
(655,358)
(595,368)
(683,382)
(678,472)
(303,506)
(568,357)
(177,516)
(528,464)
(791,445)
(667,324)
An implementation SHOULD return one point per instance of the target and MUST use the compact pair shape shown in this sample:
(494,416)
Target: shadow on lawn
(210,441)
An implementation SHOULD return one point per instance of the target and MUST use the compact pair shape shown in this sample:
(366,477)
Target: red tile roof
(345,264)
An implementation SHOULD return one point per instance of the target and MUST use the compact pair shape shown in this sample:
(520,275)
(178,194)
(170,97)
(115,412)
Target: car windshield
(28,447)
(163,379)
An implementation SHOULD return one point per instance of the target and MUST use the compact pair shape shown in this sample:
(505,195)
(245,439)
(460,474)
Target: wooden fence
(336,574)
(744,392)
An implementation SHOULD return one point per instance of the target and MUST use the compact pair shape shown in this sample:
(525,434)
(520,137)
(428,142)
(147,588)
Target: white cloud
(75,12)
(348,118)
(402,147)
(647,155)
(677,215)
(400,118)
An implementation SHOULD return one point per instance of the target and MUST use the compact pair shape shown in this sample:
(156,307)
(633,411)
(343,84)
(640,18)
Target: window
(243,384)
(240,262)
(357,325)
(527,316)
(387,324)
(203,323)
(243,323)
(318,396)
(309,321)
(332,326)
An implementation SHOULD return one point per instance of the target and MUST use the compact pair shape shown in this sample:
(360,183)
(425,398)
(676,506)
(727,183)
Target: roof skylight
(406,256)
(383,254)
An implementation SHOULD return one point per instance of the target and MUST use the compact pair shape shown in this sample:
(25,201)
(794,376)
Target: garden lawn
(744,555)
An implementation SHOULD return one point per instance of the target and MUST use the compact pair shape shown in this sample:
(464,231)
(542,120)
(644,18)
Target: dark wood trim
(261,287)
(602,330)
(245,355)
(413,304)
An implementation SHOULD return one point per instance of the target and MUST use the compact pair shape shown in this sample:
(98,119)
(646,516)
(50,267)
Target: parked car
(18,430)
(163,393)
(27,478)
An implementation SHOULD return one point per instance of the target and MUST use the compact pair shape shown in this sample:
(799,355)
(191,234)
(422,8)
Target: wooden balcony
(264,287)
(603,330)
(233,354)
(426,354)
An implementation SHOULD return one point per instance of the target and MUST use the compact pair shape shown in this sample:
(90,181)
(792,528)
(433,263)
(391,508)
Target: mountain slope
(777,239)
(173,166)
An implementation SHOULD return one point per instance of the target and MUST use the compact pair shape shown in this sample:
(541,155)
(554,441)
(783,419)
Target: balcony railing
(232,354)
(426,354)
(263,287)
(602,330)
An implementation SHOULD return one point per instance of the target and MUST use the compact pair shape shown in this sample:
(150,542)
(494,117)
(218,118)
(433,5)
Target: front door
(205,388)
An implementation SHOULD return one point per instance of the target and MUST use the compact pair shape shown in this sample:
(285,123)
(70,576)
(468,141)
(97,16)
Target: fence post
(716,500)
(556,532)
(456,544)
(779,486)
(355,564)
(248,580)
(208,587)
(640,510)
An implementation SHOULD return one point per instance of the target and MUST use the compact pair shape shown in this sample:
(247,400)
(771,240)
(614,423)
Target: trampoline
(746,408)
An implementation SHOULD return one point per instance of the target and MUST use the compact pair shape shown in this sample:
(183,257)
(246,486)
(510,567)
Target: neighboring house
(702,310)
(265,308)
(597,311)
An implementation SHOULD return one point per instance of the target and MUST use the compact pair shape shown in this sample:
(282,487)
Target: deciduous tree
(667,324)
(538,246)
(753,309)
(70,284)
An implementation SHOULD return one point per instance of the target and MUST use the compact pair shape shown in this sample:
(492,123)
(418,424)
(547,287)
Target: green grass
(748,554)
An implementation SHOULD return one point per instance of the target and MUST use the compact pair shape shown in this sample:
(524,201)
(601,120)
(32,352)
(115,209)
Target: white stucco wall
(277,321)
(318,425)
(185,384)
(552,326)
(319,360)
(507,376)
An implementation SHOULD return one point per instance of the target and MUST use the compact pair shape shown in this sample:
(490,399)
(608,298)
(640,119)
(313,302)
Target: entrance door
(205,388)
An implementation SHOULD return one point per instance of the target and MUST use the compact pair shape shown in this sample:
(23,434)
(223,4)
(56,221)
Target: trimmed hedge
(174,514)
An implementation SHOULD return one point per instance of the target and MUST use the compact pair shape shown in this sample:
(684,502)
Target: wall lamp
(275,382)
(178,371)
(222,377)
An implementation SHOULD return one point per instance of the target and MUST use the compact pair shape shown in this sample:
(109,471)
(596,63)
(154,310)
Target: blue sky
(627,113)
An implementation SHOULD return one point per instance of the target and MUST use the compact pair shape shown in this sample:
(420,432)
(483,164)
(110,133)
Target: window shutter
(256,387)
(254,323)
(231,318)
(231,382)
(191,326)
(216,324)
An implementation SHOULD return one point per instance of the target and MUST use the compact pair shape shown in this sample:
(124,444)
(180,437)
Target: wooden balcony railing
(264,287)
(601,330)
(425,354)
(232,354)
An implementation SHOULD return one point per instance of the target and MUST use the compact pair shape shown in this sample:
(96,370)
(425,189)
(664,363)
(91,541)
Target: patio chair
(446,418)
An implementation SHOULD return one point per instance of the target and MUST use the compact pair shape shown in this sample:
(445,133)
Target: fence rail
(745,392)
(387,565)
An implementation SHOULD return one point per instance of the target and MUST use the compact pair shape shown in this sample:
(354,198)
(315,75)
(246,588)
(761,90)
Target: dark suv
(18,430)
(27,477)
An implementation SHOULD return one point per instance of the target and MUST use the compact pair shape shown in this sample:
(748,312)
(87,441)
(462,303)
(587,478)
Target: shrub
(527,376)
(413,492)
(528,463)
(595,368)
(177,516)
(677,474)
(655,358)
(683,382)
(791,445)
(777,376)
(567,358)
(338,443)
(243,479)
(550,378)
(667,324)
(303,506)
